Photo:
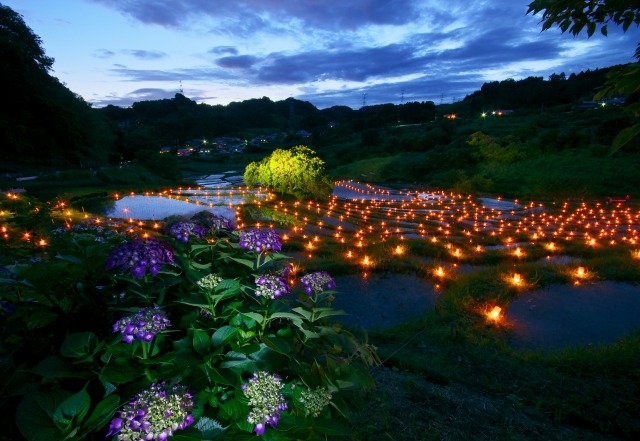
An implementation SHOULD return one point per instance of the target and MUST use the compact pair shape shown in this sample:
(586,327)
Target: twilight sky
(328,52)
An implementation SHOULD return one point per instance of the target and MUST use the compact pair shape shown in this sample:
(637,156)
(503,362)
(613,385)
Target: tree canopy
(40,119)
(297,171)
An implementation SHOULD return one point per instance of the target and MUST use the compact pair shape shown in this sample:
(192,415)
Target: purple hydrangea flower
(154,414)
(266,400)
(143,325)
(138,255)
(260,241)
(271,287)
(317,282)
(182,231)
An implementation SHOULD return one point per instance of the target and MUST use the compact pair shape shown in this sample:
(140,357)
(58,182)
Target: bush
(200,333)
(297,171)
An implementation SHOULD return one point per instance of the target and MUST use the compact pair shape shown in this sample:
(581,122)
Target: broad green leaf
(35,412)
(223,335)
(121,371)
(309,334)
(204,428)
(73,409)
(327,312)
(201,341)
(70,258)
(288,315)
(303,312)
(102,413)
(254,316)
(236,409)
(277,344)
(245,262)
(625,136)
(221,376)
(54,367)
(79,345)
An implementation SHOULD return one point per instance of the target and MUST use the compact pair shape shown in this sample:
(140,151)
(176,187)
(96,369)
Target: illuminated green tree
(576,15)
(297,171)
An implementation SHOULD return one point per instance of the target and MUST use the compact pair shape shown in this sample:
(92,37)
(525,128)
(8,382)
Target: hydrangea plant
(244,343)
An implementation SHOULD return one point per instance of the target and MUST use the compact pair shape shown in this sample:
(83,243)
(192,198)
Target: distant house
(502,112)
(165,150)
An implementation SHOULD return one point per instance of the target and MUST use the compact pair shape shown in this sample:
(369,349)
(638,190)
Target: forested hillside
(41,121)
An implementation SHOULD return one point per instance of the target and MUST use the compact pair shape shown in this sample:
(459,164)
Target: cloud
(145,54)
(327,50)
(103,53)
(326,14)
(223,50)
(237,62)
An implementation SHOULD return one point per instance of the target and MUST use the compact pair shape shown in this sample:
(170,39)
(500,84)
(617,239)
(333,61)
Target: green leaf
(54,367)
(288,315)
(204,428)
(223,335)
(201,341)
(237,360)
(121,371)
(625,136)
(277,344)
(102,413)
(69,258)
(254,316)
(34,416)
(246,262)
(72,410)
(327,312)
(303,312)
(221,376)
(79,345)
(309,334)
(236,409)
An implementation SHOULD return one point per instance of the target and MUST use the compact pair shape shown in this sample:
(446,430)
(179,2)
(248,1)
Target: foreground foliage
(110,332)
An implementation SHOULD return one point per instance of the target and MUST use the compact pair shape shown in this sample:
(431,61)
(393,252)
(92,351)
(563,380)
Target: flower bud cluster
(154,414)
(143,325)
(210,281)
(314,401)
(182,231)
(265,399)
(271,286)
(89,228)
(260,241)
(138,255)
(213,222)
(317,282)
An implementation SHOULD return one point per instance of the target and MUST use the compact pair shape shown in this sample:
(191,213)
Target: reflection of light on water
(157,207)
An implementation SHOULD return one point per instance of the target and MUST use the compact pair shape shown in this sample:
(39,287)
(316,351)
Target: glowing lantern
(439,272)
(494,314)
(516,279)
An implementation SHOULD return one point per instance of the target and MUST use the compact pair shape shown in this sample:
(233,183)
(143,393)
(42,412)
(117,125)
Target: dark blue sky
(328,52)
